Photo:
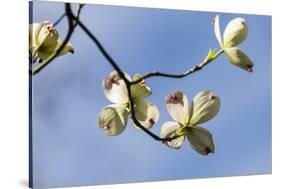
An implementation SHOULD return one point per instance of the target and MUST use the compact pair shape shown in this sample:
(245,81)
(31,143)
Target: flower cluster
(235,32)
(113,118)
(44,41)
(187,118)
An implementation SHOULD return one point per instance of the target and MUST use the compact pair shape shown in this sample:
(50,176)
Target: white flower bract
(187,117)
(113,118)
(235,32)
(44,41)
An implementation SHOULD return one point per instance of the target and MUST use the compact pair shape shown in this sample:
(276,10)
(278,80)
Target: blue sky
(70,149)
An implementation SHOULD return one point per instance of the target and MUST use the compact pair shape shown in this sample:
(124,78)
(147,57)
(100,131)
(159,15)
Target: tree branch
(59,19)
(195,68)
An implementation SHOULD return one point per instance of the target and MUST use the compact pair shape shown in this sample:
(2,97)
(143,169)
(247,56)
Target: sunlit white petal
(113,119)
(178,107)
(140,90)
(235,32)
(114,88)
(201,140)
(146,113)
(205,107)
(169,129)
(216,22)
(239,58)
(46,35)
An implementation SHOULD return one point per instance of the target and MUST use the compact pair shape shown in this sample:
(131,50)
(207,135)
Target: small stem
(178,76)
(218,53)
(59,20)
(79,8)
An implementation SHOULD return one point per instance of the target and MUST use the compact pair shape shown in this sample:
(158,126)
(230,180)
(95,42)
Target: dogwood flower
(187,117)
(44,41)
(235,32)
(113,118)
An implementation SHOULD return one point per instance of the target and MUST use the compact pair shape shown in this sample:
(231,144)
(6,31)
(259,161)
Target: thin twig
(79,8)
(178,76)
(59,20)
(100,47)
(78,12)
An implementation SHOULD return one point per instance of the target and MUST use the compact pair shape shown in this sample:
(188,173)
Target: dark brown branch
(177,76)
(59,19)
(100,47)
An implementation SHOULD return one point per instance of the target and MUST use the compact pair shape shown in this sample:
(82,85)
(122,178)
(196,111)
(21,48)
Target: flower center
(151,120)
(50,28)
